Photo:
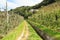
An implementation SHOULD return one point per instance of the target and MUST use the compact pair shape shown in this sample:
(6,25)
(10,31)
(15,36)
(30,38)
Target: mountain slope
(48,16)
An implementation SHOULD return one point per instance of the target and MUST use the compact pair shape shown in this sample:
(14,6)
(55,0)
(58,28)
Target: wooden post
(7,12)
(7,16)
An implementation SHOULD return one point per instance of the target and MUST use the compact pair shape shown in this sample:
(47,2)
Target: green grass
(32,34)
(53,34)
(16,32)
(12,35)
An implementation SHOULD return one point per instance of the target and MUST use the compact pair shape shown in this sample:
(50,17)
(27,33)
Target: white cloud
(27,2)
(12,5)
(2,3)
(16,3)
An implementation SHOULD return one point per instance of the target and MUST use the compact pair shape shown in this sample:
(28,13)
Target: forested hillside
(48,19)
(48,16)
(25,10)
(43,21)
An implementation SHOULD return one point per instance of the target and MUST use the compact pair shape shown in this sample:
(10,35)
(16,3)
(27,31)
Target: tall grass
(14,21)
(15,33)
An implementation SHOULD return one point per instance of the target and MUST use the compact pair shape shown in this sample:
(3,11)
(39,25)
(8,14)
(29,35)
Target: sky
(17,3)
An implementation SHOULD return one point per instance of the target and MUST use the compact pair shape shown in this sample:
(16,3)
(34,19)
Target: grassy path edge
(12,35)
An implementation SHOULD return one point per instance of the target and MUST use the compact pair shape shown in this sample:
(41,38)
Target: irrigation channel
(42,34)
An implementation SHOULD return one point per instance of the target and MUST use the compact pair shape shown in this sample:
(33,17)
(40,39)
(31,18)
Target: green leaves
(48,16)
(23,11)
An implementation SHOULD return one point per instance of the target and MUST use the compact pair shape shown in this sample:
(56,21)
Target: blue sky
(17,3)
